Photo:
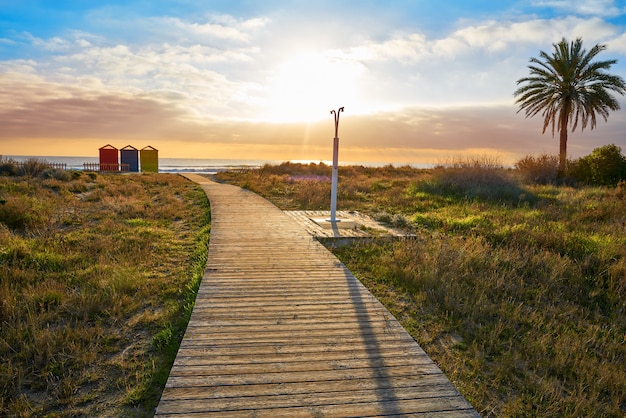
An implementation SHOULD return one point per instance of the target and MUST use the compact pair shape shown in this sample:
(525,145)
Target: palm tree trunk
(562,152)
(563,120)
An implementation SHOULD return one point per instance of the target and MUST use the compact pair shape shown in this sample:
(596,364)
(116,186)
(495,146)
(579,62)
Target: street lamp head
(336,117)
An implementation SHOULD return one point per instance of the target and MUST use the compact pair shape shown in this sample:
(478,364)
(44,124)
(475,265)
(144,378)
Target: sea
(191,165)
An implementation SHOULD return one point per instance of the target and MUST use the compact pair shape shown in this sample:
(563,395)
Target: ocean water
(179,165)
(166,165)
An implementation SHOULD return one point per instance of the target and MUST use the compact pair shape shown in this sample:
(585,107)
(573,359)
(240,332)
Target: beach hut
(149,159)
(109,158)
(129,157)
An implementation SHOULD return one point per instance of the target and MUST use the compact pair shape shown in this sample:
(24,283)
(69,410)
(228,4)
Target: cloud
(407,48)
(164,70)
(215,28)
(498,37)
(7,41)
(605,8)
(490,37)
(618,44)
(44,109)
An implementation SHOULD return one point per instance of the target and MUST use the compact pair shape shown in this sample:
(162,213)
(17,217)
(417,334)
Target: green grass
(98,275)
(517,291)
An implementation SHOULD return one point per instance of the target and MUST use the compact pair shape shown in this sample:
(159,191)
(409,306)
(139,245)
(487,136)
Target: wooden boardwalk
(281,328)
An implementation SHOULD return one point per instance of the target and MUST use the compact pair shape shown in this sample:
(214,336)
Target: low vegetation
(605,166)
(97,279)
(517,289)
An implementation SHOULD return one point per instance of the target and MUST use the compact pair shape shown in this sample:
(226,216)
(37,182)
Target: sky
(420,81)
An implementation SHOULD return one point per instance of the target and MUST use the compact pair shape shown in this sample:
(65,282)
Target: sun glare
(307,86)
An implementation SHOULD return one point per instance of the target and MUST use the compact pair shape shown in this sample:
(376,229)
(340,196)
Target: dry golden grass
(97,274)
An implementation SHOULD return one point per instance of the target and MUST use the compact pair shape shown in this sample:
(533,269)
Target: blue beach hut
(130,155)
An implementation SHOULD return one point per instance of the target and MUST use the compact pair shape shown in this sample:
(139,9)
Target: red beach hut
(129,157)
(108,158)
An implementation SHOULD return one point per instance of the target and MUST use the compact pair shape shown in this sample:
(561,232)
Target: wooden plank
(280,327)
(440,407)
(245,352)
(380,376)
(428,395)
(231,391)
(229,358)
(416,364)
(335,342)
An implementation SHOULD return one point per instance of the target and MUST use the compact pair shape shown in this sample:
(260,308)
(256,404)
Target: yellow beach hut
(149,159)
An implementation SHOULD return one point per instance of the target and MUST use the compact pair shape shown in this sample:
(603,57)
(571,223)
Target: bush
(475,182)
(56,173)
(33,167)
(605,166)
(539,170)
(17,214)
(474,162)
(393,220)
(8,168)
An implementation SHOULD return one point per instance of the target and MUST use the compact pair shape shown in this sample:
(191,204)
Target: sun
(305,87)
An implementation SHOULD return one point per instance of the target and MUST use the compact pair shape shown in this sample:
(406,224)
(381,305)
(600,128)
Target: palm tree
(567,87)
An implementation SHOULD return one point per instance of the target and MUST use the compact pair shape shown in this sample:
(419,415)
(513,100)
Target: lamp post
(333,191)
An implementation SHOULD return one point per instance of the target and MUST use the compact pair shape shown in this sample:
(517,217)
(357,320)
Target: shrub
(56,173)
(476,177)
(605,166)
(297,169)
(33,167)
(476,162)
(18,213)
(580,170)
(539,170)
(8,168)
(394,220)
